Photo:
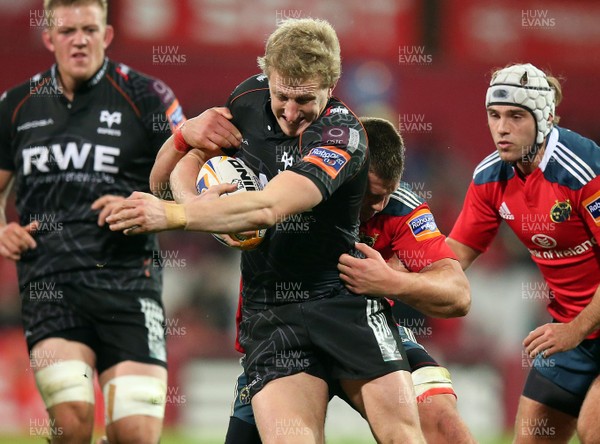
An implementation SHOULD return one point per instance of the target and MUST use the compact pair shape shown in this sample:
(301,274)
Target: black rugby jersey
(64,155)
(298,259)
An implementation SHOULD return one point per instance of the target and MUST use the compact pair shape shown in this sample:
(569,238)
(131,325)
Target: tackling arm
(439,290)
(166,159)
(183,176)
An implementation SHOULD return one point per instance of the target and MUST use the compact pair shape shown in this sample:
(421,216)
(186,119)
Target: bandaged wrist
(179,142)
(175,216)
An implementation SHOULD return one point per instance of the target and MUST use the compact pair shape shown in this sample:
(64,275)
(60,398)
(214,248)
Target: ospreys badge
(561,211)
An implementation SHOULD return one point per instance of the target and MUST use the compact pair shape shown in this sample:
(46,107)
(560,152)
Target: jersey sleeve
(256,82)
(234,105)
(590,206)
(417,241)
(478,222)
(333,150)
(161,105)
(240,102)
(158,106)
(6,157)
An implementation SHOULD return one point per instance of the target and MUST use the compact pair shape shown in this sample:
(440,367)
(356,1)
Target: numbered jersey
(298,259)
(65,155)
(555,212)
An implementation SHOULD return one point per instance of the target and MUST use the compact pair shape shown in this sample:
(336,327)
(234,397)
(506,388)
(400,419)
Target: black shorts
(342,337)
(117,326)
(562,380)
(418,357)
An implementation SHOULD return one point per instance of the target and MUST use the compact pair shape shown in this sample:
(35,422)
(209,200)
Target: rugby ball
(226,169)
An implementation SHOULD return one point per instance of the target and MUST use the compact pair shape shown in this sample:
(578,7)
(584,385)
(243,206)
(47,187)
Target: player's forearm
(165,162)
(6,181)
(466,255)
(183,177)
(230,214)
(588,320)
(442,291)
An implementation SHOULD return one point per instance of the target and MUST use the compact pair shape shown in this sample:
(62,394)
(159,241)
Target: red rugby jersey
(554,211)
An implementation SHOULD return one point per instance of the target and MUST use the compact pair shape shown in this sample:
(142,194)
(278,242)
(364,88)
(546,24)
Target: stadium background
(422,64)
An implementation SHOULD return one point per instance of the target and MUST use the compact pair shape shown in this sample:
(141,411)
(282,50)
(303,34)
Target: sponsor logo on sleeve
(423,226)
(335,135)
(163,91)
(592,205)
(354,140)
(175,115)
(341,136)
(329,158)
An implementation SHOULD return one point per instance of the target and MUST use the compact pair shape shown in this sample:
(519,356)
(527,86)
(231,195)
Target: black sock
(241,432)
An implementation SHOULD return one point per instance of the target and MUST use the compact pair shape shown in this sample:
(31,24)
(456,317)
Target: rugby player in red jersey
(548,174)
(407,260)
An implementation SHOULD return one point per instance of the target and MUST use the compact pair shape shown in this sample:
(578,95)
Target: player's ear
(330,90)
(109,33)
(47,40)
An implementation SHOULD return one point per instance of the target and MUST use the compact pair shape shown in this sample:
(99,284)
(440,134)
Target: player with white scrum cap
(528,87)
(544,173)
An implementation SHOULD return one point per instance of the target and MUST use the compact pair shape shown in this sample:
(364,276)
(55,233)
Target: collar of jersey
(551,142)
(99,75)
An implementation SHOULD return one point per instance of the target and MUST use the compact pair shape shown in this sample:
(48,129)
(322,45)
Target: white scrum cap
(527,87)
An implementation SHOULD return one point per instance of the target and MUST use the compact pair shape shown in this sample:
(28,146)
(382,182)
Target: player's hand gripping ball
(225,169)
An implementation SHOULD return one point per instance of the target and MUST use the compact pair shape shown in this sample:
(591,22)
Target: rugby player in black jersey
(76,140)
(313,151)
